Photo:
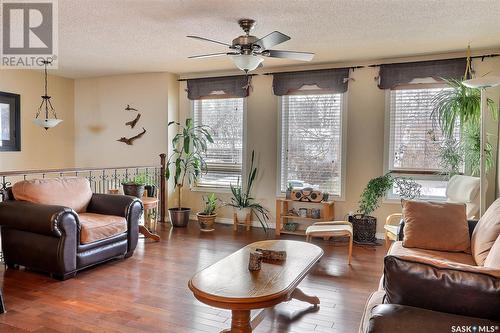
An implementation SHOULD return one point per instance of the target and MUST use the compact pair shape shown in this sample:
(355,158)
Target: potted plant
(461,106)
(244,204)
(206,218)
(136,186)
(364,224)
(187,163)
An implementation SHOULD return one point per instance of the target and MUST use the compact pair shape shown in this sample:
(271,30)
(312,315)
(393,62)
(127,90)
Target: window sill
(210,189)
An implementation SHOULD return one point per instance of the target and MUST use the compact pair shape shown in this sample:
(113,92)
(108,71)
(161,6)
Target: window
(224,157)
(414,143)
(10,123)
(311,142)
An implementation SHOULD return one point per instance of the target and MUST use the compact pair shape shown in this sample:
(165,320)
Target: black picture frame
(13,143)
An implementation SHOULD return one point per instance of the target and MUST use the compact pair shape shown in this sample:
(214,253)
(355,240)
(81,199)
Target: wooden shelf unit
(283,204)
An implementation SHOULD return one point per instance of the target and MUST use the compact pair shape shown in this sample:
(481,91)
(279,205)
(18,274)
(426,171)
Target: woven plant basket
(364,229)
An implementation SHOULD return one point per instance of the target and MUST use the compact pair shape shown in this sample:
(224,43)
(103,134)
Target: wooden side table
(150,218)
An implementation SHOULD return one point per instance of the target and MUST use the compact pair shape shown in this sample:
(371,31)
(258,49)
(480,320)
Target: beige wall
(365,139)
(40,149)
(100,118)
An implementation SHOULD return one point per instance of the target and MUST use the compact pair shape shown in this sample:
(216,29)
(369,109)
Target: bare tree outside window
(311,141)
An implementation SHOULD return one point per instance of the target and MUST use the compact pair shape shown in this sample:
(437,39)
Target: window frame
(226,189)
(343,139)
(416,174)
(14,142)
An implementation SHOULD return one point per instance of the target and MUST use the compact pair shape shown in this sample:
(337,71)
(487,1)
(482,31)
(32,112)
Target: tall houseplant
(460,106)
(242,201)
(187,163)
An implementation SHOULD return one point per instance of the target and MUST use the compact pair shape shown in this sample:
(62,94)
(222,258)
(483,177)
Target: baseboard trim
(256,223)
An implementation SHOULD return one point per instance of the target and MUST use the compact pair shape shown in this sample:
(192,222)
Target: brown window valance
(334,80)
(391,75)
(227,86)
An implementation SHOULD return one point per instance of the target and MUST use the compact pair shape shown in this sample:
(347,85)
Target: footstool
(331,229)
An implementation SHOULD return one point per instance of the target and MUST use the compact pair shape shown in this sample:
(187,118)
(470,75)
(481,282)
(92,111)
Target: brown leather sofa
(59,226)
(438,291)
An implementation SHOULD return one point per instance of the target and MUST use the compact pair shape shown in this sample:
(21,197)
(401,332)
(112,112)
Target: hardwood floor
(148,292)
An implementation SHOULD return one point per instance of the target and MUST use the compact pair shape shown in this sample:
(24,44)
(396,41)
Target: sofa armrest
(388,318)
(111,204)
(442,286)
(46,220)
(126,206)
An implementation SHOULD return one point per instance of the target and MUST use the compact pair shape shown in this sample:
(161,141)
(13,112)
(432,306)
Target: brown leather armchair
(59,226)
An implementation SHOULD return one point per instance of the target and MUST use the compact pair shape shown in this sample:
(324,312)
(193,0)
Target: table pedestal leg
(240,322)
(301,296)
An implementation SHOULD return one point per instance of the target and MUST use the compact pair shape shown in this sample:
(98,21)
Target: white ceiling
(103,37)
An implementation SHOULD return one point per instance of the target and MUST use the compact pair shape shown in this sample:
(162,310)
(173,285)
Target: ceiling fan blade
(210,40)
(272,39)
(209,55)
(302,56)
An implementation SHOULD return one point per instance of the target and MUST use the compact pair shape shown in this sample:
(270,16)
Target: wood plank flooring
(149,293)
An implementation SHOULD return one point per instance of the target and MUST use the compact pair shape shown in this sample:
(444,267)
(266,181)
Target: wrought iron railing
(102,180)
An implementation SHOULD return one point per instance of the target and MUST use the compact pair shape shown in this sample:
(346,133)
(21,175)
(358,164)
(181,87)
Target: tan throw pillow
(72,192)
(486,233)
(493,258)
(440,226)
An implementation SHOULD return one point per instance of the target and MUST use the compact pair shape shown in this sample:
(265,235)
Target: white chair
(465,189)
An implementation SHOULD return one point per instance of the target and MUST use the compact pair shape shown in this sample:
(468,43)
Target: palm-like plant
(242,198)
(187,162)
(461,106)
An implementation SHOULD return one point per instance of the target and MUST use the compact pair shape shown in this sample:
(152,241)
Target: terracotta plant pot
(179,217)
(133,190)
(206,222)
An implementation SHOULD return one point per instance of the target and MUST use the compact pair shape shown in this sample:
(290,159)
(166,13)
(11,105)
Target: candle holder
(255,261)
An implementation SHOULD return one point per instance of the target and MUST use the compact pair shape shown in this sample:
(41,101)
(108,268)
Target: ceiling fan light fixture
(247,62)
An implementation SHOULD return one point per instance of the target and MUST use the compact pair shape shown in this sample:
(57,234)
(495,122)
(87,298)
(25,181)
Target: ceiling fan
(247,51)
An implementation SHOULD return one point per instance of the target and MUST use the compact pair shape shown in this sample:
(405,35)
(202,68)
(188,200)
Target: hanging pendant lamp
(46,109)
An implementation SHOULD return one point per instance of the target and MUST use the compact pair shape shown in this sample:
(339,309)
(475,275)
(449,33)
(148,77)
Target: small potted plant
(136,186)
(364,224)
(243,203)
(206,218)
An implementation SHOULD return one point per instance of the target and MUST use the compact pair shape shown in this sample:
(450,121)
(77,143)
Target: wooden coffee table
(228,284)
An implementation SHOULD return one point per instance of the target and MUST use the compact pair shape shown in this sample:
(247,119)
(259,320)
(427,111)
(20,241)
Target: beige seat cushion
(493,258)
(486,233)
(397,249)
(97,227)
(437,226)
(328,230)
(72,192)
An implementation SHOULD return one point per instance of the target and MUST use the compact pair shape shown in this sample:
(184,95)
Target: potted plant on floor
(244,204)
(364,224)
(187,163)
(206,218)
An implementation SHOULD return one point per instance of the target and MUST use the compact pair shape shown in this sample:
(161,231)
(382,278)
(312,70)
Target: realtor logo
(29,33)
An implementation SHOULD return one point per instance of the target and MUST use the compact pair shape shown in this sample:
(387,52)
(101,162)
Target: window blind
(224,156)
(414,143)
(311,141)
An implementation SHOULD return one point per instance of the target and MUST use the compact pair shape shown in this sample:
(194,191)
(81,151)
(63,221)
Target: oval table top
(229,284)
